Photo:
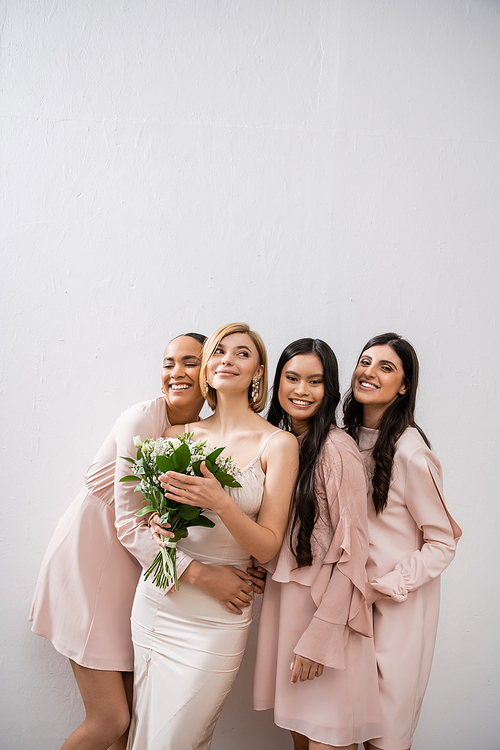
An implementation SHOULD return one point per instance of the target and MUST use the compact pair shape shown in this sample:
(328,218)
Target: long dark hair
(305,507)
(396,418)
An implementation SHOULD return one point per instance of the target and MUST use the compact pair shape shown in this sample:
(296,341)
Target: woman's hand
(158,530)
(203,492)
(304,669)
(230,585)
(258,577)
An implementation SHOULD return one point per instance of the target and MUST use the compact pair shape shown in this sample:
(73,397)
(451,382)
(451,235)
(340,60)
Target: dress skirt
(188,648)
(85,588)
(340,707)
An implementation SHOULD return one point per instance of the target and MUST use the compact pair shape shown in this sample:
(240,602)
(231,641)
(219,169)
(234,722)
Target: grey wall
(314,167)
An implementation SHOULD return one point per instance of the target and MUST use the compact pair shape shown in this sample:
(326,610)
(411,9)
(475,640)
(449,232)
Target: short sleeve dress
(412,541)
(320,613)
(86,585)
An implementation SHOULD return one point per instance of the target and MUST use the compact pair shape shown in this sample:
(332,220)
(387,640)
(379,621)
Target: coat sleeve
(133,531)
(339,589)
(423,497)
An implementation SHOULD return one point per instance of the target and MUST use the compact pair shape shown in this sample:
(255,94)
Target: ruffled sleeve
(133,531)
(339,588)
(423,496)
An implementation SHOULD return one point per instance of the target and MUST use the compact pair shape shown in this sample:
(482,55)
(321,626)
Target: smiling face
(233,364)
(181,370)
(378,380)
(301,389)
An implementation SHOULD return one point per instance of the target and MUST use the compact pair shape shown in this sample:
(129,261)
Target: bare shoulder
(281,441)
(174,430)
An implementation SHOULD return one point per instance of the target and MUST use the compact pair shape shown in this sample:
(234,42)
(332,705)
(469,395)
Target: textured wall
(315,167)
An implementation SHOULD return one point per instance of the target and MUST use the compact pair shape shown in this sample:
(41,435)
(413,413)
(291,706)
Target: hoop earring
(255,388)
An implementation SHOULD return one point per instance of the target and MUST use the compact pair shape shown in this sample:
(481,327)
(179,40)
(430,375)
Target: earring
(255,388)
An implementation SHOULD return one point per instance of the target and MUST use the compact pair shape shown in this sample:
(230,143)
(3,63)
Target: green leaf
(130,478)
(214,455)
(126,458)
(226,480)
(196,468)
(181,458)
(143,511)
(201,521)
(188,512)
(164,463)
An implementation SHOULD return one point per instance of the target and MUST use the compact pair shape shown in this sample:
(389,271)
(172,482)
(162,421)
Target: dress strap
(263,446)
(186,427)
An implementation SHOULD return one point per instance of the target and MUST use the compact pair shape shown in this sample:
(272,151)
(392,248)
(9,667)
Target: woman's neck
(299,426)
(232,414)
(372,416)
(185,414)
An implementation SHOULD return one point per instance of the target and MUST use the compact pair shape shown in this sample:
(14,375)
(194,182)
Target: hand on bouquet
(202,492)
(158,530)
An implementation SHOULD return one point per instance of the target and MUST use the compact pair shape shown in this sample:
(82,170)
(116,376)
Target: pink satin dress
(86,585)
(411,543)
(320,613)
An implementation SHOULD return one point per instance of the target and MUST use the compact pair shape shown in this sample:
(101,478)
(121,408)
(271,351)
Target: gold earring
(255,388)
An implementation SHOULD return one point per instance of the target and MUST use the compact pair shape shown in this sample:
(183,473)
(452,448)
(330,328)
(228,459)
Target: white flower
(137,441)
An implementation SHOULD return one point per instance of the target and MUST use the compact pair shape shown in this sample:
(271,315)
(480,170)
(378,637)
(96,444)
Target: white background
(326,168)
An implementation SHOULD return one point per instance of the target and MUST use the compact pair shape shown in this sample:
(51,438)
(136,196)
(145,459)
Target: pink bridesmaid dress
(320,613)
(411,542)
(86,585)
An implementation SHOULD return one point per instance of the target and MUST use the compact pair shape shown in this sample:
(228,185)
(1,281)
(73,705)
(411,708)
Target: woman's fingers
(258,578)
(158,530)
(304,669)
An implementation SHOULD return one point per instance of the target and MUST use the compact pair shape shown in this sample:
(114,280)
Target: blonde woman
(188,646)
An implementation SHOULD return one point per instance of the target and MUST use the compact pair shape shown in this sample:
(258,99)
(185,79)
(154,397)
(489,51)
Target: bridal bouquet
(181,454)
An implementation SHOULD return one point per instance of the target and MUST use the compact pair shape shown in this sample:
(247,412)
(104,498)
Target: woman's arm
(261,539)
(423,497)
(131,529)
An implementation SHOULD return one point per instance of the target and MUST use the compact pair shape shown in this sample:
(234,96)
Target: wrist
(223,502)
(192,573)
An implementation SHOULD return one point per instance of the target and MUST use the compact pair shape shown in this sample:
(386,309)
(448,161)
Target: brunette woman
(188,647)
(412,535)
(315,660)
(86,585)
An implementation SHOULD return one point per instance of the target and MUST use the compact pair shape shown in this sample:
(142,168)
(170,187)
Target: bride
(188,645)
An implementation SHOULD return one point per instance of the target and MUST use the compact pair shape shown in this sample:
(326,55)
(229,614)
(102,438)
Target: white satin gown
(187,645)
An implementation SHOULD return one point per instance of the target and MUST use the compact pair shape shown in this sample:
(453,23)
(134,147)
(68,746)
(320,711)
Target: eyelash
(187,364)
(312,382)
(367,363)
(239,354)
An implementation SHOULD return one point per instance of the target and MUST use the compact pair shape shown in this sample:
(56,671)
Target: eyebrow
(188,356)
(388,362)
(316,375)
(382,361)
